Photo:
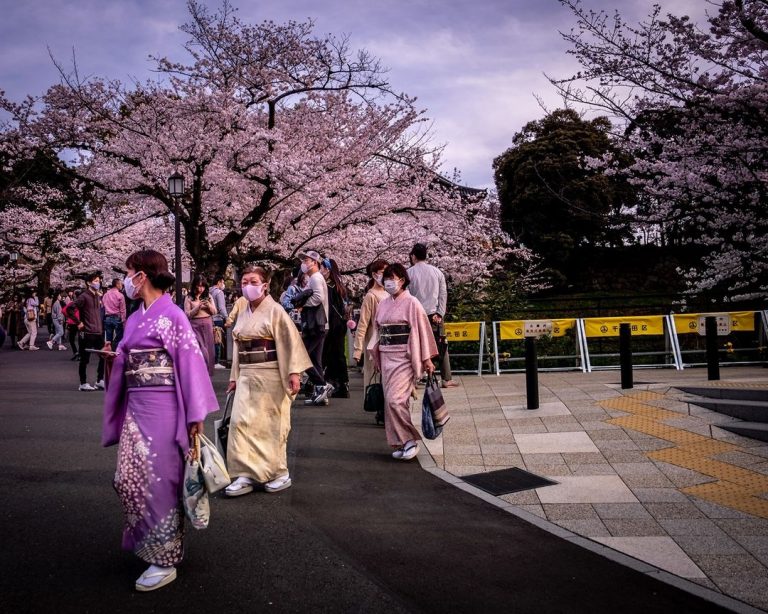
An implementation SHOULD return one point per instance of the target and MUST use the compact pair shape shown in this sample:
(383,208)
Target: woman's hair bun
(162,280)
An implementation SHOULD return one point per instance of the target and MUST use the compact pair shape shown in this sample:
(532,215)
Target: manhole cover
(505,481)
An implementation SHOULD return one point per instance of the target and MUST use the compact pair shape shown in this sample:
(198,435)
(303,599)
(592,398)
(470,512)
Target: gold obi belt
(255,351)
(152,367)
(394,334)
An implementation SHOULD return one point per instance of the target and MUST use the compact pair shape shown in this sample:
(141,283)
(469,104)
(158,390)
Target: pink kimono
(401,365)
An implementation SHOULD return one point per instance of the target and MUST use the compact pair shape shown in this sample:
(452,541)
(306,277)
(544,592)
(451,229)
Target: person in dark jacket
(85,312)
(334,357)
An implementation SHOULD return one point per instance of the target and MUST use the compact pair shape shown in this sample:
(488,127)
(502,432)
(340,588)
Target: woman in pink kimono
(402,347)
(158,395)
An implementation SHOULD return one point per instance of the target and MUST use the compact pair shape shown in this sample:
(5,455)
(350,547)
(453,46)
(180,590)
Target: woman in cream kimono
(367,322)
(402,347)
(267,359)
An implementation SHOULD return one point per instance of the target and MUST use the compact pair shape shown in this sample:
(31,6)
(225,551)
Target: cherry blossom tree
(694,102)
(287,141)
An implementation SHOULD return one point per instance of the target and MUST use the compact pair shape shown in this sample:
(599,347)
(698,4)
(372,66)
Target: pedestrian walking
(219,319)
(45,314)
(366,324)
(57,321)
(157,399)
(3,333)
(429,287)
(314,321)
(334,351)
(85,312)
(113,302)
(199,309)
(12,311)
(294,285)
(402,348)
(268,359)
(71,324)
(31,314)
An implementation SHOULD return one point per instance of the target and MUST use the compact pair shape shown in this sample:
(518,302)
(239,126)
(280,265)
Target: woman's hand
(232,385)
(429,368)
(294,384)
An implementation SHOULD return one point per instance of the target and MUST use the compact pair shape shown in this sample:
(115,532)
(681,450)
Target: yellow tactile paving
(645,395)
(731,496)
(736,487)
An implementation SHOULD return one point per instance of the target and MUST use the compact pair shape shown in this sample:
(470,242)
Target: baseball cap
(310,253)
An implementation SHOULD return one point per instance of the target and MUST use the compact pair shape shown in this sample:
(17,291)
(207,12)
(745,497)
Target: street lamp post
(176,190)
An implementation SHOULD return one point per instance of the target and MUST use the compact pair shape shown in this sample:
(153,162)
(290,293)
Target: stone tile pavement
(641,471)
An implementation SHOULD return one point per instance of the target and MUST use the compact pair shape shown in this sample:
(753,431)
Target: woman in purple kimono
(158,395)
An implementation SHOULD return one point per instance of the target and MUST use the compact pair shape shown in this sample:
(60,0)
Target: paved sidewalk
(641,470)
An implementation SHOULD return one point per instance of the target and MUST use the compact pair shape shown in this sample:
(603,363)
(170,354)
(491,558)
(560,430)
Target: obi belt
(394,334)
(152,367)
(254,351)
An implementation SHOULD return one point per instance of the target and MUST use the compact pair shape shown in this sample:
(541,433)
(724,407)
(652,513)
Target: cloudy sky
(475,65)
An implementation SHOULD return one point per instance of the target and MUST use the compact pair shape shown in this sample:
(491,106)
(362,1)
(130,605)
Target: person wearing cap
(314,320)
(428,286)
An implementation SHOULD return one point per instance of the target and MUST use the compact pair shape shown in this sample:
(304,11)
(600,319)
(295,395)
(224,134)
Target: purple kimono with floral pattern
(151,424)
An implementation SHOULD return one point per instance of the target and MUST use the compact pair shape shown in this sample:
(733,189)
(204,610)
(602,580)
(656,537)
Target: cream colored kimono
(261,414)
(365,327)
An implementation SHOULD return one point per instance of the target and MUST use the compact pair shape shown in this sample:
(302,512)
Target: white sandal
(166,577)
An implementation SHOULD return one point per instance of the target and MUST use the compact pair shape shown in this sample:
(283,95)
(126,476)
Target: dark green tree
(551,197)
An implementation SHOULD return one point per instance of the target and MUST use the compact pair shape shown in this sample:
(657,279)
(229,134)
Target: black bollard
(625,355)
(713,360)
(531,373)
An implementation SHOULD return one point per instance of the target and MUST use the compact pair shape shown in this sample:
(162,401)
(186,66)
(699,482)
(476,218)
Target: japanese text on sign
(515,329)
(689,322)
(609,327)
(462,331)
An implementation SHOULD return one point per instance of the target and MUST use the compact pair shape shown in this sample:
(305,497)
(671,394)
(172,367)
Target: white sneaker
(241,486)
(86,386)
(398,454)
(278,484)
(49,344)
(62,348)
(33,347)
(21,347)
(321,398)
(99,385)
(410,450)
(219,366)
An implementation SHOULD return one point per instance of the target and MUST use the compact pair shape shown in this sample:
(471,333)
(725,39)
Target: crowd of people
(155,360)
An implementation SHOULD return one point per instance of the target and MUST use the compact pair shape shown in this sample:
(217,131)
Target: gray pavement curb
(428,464)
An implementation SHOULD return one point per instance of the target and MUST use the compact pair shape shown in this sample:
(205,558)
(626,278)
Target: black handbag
(374,397)
(221,426)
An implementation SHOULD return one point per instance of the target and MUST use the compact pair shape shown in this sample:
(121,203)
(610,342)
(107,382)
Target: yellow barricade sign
(689,322)
(609,327)
(511,329)
(515,329)
(462,331)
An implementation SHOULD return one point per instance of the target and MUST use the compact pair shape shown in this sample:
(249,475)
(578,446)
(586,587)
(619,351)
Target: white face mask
(304,267)
(392,286)
(253,293)
(130,289)
(95,285)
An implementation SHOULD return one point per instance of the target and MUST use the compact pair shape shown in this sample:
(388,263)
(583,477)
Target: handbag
(31,317)
(221,426)
(194,495)
(213,466)
(434,413)
(374,396)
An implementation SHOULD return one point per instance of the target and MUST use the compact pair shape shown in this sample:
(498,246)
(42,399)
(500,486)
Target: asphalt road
(357,532)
